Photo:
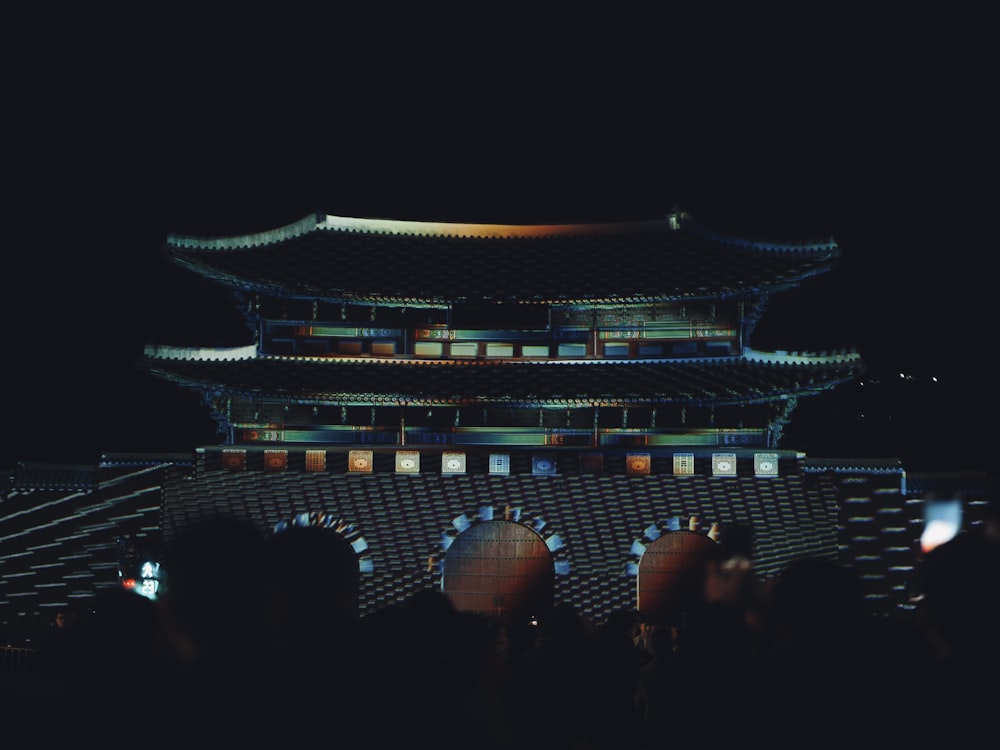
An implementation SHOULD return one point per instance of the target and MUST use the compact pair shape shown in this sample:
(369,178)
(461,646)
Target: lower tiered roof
(420,382)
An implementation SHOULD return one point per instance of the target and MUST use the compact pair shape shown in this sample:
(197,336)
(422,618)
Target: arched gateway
(502,568)
(671,572)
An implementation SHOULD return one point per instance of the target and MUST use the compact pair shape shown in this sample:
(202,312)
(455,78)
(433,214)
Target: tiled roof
(719,381)
(941,485)
(405,262)
(36,474)
(852,465)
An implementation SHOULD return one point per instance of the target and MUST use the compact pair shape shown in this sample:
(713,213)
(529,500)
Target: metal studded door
(502,568)
(671,572)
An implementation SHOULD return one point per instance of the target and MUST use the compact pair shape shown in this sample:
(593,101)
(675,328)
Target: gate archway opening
(672,574)
(501,568)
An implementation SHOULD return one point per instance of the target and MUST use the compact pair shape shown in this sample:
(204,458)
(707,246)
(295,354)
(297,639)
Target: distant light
(942,521)
(935,534)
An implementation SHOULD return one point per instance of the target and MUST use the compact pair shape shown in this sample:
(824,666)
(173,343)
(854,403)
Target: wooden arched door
(502,568)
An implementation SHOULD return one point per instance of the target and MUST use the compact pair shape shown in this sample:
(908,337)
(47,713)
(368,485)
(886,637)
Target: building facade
(515,414)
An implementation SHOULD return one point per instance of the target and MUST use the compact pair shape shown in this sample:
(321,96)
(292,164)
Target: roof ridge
(486,230)
(315,222)
(371,225)
(793,357)
(255,239)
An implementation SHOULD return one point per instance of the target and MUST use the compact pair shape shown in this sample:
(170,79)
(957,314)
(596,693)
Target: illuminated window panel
(499,463)
(543,465)
(616,350)
(638,464)
(346,331)
(591,463)
(234,460)
(683,463)
(407,462)
(452,463)
(315,460)
(724,464)
(651,350)
(427,348)
(572,350)
(275,460)
(434,334)
(464,349)
(668,329)
(360,462)
(765,464)
(257,436)
(499,350)
(534,350)
(383,348)
(349,347)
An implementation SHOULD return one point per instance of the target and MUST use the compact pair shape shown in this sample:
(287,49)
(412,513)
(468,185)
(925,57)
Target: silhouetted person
(960,618)
(59,646)
(557,683)
(318,659)
(617,660)
(827,674)
(216,615)
(659,692)
(428,667)
(643,639)
(107,685)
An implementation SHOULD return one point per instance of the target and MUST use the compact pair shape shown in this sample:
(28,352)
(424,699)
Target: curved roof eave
(453,272)
(424,400)
(413,382)
(341,296)
(320,222)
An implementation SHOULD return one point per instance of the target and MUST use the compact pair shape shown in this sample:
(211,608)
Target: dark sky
(868,129)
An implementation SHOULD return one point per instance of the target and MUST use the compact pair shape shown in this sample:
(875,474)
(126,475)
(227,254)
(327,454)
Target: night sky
(871,130)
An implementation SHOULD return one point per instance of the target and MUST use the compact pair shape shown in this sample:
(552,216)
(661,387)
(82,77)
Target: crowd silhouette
(248,647)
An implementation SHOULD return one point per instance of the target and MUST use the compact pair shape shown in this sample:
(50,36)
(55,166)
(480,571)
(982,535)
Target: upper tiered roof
(377,261)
